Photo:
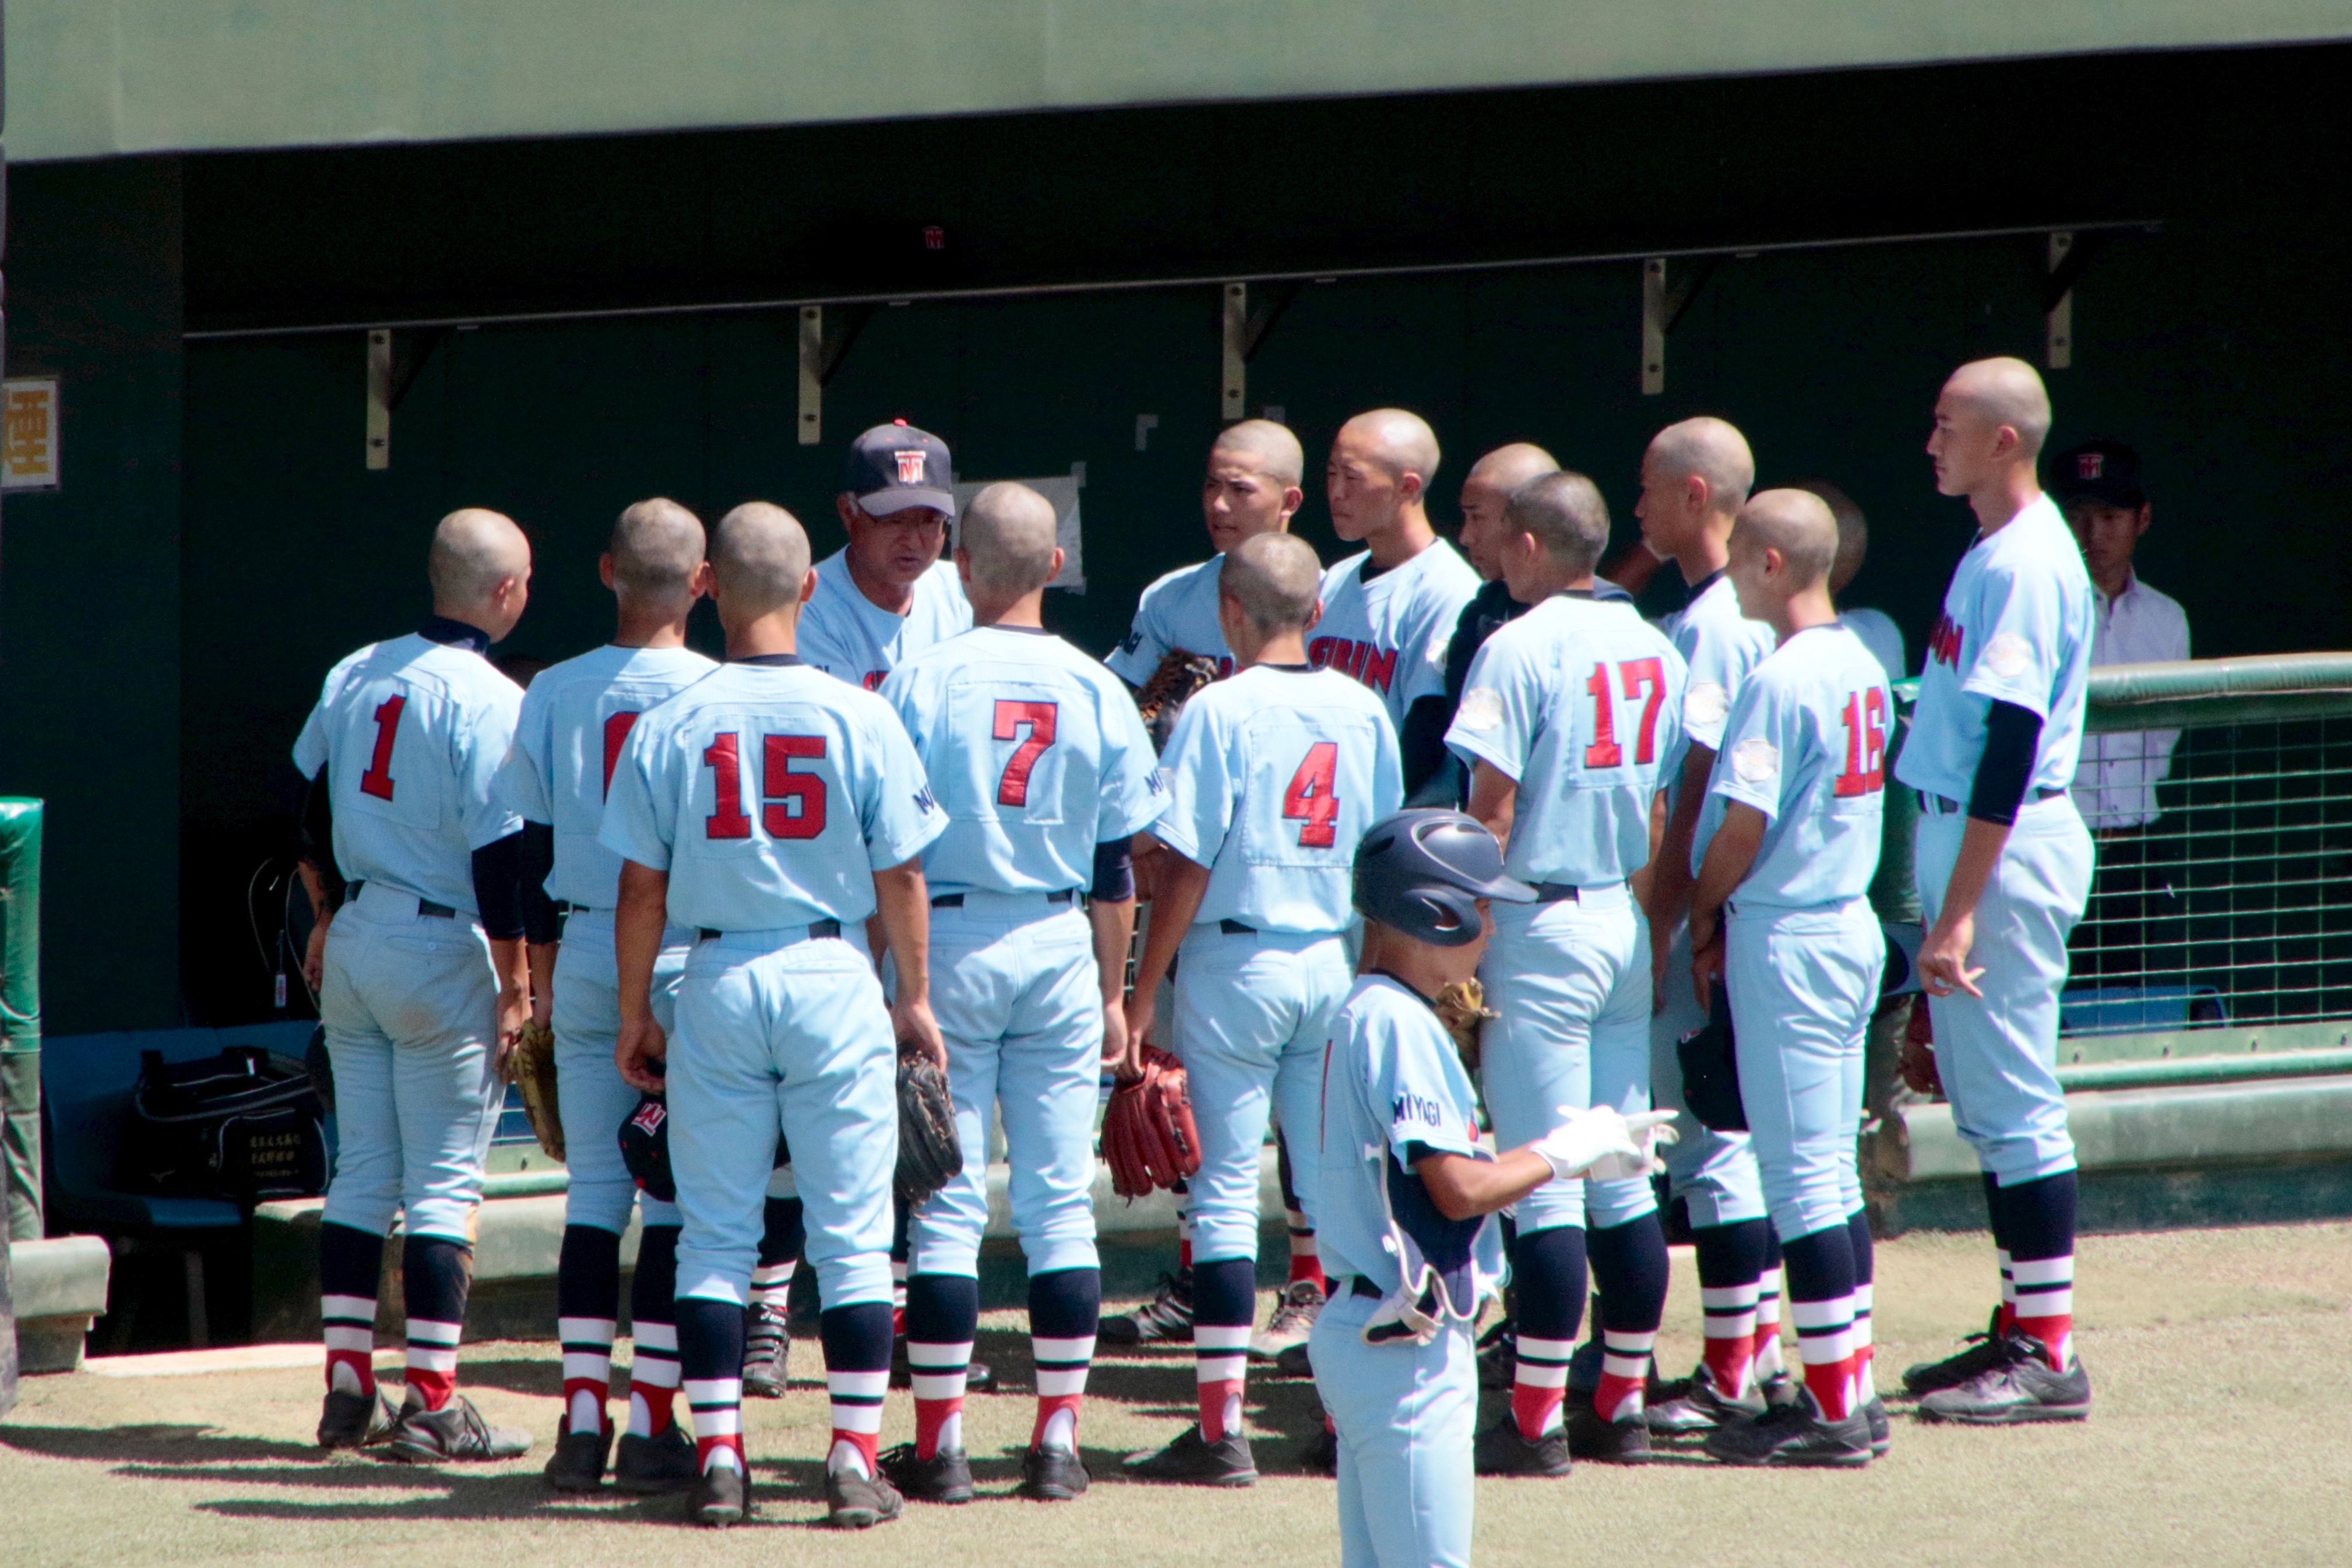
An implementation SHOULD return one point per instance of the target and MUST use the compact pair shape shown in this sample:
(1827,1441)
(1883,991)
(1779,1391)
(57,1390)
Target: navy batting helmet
(1422,872)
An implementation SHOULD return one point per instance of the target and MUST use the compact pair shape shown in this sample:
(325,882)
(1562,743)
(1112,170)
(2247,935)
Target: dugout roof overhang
(99,77)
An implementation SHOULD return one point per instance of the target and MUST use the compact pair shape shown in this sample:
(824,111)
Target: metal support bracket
(1236,344)
(379,398)
(1662,304)
(821,356)
(2070,252)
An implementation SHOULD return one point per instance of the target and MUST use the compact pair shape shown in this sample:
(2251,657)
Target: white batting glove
(1603,1142)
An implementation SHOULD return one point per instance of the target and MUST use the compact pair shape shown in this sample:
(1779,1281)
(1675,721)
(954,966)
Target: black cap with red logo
(895,466)
(2105,472)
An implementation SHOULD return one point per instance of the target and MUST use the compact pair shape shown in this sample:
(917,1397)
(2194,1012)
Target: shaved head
(1508,467)
(1399,439)
(1268,446)
(1007,538)
(473,551)
(1798,524)
(1275,579)
(758,559)
(657,547)
(2004,391)
(1564,512)
(1852,529)
(1708,449)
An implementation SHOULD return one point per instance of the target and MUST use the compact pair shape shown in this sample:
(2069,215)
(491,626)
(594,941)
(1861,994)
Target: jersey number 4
(1637,677)
(1865,743)
(792,804)
(1013,789)
(1309,800)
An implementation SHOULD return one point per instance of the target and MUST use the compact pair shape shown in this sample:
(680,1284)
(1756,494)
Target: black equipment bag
(246,1126)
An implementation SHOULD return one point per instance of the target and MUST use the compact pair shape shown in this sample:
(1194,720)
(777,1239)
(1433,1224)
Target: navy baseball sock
(587,1297)
(1857,1225)
(710,1355)
(653,1330)
(1766,1365)
(436,1270)
(1063,1307)
(1629,1273)
(942,1314)
(1820,1299)
(857,1371)
(784,1233)
(1730,1270)
(1548,1282)
(902,1222)
(2042,1260)
(350,1263)
(1224,1300)
(1997,1220)
(1306,1261)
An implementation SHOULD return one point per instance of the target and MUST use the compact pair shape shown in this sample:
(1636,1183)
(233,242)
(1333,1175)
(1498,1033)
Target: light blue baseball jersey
(1806,745)
(1719,645)
(1180,611)
(1036,754)
(1391,629)
(412,732)
(844,633)
(2016,627)
(1273,777)
(770,793)
(576,718)
(1394,1091)
(1881,637)
(1579,701)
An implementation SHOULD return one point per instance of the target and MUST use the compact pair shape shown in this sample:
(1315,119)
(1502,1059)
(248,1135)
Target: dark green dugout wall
(2218,344)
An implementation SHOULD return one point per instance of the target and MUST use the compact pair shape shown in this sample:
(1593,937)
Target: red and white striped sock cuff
(1541,1362)
(433,1347)
(857,1400)
(1220,1352)
(1062,1365)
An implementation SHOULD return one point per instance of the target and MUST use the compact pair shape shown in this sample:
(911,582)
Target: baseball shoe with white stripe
(1985,1353)
(1794,1434)
(1293,1321)
(767,1353)
(454,1432)
(355,1420)
(2022,1388)
(1166,1319)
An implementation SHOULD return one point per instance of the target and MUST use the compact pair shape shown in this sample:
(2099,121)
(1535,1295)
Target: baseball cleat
(1695,1404)
(767,1352)
(1985,1353)
(1227,1462)
(1794,1434)
(1296,1362)
(355,1420)
(722,1496)
(1053,1475)
(1625,1442)
(1166,1319)
(1293,1320)
(665,1462)
(945,1477)
(455,1432)
(1882,1430)
(1502,1450)
(1320,1453)
(578,1462)
(2021,1389)
(1778,1390)
(858,1501)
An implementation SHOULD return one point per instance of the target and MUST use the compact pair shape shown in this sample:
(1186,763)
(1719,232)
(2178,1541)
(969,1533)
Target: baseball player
(1403,1190)
(882,598)
(2004,869)
(1695,476)
(1252,487)
(576,717)
(1789,840)
(1389,609)
(1045,775)
(1571,714)
(424,984)
(1875,627)
(765,808)
(1274,774)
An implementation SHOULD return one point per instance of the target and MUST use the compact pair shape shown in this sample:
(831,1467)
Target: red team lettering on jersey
(1369,663)
(1944,643)
(1865,743)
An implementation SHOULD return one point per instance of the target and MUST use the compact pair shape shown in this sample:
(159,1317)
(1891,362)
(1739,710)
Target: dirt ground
(2219,1437)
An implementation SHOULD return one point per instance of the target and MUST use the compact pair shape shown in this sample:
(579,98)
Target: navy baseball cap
(2105,472)
(895,466)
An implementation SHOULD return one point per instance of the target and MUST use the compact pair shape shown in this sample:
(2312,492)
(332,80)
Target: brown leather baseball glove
(930,1154)
(1180,674)
(1919,1070)
(1462,1009)
(1147,1134)
(532,1065)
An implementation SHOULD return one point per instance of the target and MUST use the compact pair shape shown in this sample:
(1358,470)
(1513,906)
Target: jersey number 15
(792,804)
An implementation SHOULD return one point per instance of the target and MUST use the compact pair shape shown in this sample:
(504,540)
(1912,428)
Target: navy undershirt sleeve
(497,887)
(539,922)
(2011,735)
(1422,742)
(1115,871)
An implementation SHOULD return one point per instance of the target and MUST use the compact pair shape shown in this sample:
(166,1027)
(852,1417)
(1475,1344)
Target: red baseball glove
(1147,1134)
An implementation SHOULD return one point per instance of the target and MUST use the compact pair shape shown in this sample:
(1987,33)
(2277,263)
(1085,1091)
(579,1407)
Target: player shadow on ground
(538,1377)
(166,1447)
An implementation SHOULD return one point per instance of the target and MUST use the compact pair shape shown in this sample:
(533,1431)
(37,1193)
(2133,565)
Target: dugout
(590,258)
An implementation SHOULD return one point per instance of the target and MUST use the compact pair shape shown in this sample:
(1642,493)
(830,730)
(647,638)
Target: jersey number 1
(1865,743)
(1636,676)
(781,787)
(1013,789)
(1310,801)
(377,779)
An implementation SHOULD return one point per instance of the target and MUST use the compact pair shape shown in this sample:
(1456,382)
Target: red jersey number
(377,779)
(1013,789)
(1309,800)
(1865,743)
(792,803)
(616,735)
(1645,678)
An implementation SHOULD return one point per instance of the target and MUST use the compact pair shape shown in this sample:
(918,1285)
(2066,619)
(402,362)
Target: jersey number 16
(1865,743)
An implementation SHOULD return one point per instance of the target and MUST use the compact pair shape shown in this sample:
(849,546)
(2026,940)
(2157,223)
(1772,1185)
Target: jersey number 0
(792,803)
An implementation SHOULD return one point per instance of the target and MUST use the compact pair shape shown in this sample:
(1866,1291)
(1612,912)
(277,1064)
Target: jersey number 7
(792,804)
(1637,677)
(1013,789)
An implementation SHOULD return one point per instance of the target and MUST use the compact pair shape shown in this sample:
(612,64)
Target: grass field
(2222,1435)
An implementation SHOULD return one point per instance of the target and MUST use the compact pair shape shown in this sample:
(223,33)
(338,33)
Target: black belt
(955,899)
(1360,1286)
(1236,928)
(424,907)
(1944,805)
(817,931)
(1556,893)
